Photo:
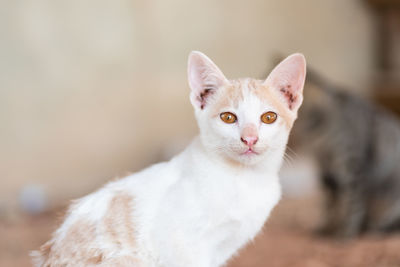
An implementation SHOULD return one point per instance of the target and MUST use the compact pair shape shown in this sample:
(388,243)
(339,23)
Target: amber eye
(269,117)
(228,117)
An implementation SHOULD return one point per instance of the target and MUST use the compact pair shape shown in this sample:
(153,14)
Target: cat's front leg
(345,207)
(331,205)
(351,213)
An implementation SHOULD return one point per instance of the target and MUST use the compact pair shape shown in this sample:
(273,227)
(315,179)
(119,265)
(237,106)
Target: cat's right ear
(204,78)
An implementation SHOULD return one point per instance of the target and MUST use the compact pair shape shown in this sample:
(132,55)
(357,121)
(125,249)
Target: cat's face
(246,121)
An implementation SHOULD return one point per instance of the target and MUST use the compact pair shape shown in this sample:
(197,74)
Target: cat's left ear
(204,78)
(288,80)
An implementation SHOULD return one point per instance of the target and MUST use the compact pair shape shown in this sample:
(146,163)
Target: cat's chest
(238,216)
(230,199)
(234,200)
(212,213)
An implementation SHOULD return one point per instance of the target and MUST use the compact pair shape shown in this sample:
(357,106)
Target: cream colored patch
(75,249)
(79,246)
(118,221)
(230,95)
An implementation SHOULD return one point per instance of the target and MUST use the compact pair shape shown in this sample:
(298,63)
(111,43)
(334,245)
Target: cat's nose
(249,140)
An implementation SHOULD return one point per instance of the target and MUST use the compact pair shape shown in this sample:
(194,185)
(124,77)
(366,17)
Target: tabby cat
(357,146)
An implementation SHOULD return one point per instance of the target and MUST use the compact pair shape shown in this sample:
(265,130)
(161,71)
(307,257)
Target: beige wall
(93,89)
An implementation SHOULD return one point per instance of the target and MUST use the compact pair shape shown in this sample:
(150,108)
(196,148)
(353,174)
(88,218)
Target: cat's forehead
(237,92)
(241,89)
(245,91)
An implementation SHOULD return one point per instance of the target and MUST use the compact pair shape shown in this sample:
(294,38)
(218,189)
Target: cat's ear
(204,78)
(288,80)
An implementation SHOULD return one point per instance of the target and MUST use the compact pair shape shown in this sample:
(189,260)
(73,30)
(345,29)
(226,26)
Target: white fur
(198,209)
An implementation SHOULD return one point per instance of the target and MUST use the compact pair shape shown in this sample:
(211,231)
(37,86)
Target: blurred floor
(286,242)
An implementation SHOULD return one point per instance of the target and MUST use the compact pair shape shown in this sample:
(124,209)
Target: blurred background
(92,90)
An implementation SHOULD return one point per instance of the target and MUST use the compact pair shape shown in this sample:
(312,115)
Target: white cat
(199,208)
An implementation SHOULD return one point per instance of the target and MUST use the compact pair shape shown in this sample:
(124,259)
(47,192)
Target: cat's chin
(247,158)
(250,156)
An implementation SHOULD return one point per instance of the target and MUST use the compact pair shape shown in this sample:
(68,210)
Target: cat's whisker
(289,150)
(287,159)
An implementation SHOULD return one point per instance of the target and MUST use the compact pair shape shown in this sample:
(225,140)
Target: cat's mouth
(250,151)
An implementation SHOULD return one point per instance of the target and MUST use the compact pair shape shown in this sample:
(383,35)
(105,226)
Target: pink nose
(249,140)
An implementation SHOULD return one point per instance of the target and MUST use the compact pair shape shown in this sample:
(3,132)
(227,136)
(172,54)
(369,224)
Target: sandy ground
(286,241)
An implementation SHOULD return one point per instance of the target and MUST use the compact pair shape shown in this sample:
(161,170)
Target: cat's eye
(269,117)
(228,117)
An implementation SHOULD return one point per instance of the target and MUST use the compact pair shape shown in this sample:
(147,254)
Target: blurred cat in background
(357,147)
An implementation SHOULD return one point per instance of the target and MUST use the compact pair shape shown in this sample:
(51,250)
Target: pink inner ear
(288,77)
